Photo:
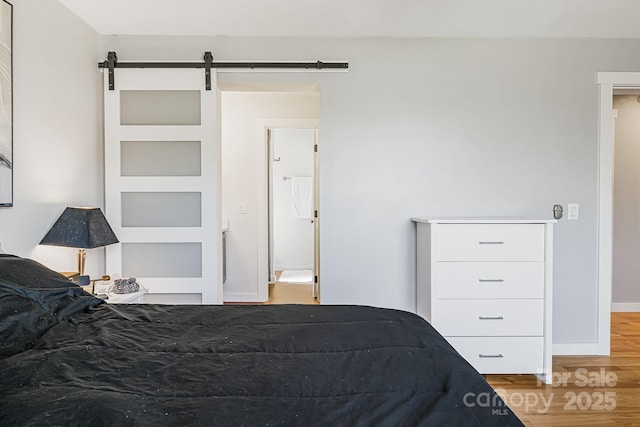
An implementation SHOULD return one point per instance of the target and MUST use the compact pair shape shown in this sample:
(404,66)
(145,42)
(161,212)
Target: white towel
(301,197)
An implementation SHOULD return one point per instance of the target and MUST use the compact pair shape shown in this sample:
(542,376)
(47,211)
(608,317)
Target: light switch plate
(573,211)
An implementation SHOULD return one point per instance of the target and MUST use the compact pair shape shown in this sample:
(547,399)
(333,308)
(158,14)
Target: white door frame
(316,219)
(606,81)
(262,139)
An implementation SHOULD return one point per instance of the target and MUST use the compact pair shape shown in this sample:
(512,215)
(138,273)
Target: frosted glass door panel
(160,107)
(161,209)
(160,158)
(162,260)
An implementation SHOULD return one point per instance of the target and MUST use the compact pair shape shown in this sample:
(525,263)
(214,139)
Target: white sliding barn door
(162,182)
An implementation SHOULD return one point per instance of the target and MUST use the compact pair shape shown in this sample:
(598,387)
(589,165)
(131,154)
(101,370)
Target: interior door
(162,182)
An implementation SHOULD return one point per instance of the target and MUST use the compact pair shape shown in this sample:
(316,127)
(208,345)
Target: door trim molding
(606,82)
(263,201)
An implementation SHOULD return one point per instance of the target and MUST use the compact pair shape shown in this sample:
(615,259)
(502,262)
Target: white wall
(293,237)
(441,127)
(57,144)
(626,207)
(245,116)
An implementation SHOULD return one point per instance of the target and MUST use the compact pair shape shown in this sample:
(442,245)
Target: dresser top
(483,220)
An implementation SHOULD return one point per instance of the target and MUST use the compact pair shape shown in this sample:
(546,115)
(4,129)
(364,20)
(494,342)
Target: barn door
(162,182)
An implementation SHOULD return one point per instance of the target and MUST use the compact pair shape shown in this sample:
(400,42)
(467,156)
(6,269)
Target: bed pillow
(27,313)
(22,319)
(30,274)
(33,299)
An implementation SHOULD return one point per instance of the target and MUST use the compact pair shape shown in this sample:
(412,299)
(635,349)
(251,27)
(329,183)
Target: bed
(68,358)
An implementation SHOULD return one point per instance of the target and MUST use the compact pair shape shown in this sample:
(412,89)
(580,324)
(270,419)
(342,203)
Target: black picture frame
(6,104)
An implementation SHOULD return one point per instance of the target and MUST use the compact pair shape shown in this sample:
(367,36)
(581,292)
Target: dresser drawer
(470,280)
(488,242)
(501,355)
(517,317)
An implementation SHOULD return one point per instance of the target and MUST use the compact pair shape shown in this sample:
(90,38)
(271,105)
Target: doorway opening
(293,213)
(607,82)
(248,115)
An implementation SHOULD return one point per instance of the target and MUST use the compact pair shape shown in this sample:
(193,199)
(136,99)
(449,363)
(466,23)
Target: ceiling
(363,18)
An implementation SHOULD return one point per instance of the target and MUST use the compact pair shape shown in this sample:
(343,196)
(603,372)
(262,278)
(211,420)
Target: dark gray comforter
(67,359)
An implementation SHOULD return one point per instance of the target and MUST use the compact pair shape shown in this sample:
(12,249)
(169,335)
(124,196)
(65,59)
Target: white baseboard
(625,306)
(580,349)
(242,297)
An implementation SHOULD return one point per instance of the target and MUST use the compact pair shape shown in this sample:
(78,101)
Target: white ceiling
(364,18)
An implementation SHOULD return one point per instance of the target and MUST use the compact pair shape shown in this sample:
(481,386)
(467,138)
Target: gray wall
(626,201)
(441,127)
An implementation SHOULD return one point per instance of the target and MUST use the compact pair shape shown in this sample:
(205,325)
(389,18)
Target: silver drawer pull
(490,280)
(491,318)
(493,356)
(490,243)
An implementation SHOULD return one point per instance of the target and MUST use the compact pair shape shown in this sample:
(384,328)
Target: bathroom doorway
(293,222)
(247,113)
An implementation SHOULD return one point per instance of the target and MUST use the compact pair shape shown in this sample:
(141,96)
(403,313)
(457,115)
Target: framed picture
(6,104)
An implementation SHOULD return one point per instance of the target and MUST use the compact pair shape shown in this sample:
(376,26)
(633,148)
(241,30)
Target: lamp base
(82,255)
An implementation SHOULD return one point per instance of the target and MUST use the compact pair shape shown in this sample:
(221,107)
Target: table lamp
(82,228)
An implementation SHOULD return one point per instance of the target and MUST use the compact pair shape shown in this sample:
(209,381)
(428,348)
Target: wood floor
(587,390)
(290,293)
(287,293)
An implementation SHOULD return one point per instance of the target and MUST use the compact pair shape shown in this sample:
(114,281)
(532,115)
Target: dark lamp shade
(85,228)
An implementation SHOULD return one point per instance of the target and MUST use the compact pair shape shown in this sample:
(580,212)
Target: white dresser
(486,286)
